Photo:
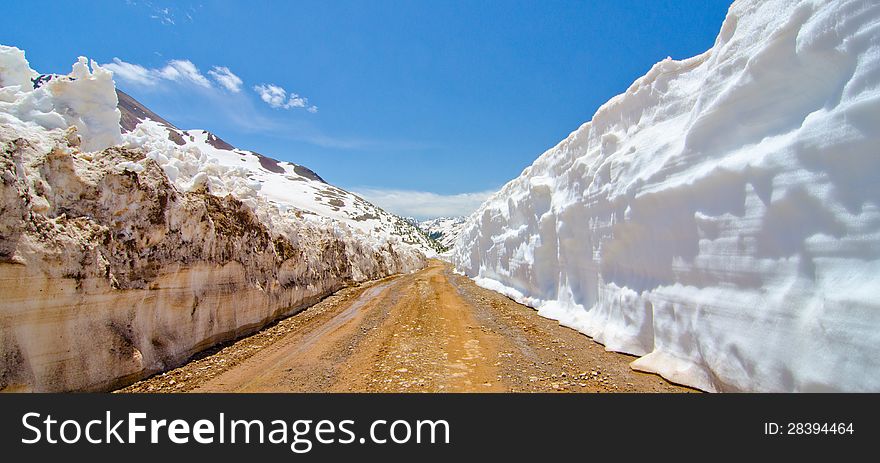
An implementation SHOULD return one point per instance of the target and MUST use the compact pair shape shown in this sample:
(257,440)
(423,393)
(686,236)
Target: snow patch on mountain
(444,230)
(721,218)
(196,158)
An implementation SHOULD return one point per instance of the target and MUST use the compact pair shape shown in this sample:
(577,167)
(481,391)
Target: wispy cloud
(166,15)
(226,78)
(249,116)
(184,70)
(239,107)
(249,119)
(222,92)
(424,204)
(178,70)
(277,97)
(133,73)
(163,15)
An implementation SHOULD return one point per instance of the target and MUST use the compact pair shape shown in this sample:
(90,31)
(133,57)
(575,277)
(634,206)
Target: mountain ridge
(330,201)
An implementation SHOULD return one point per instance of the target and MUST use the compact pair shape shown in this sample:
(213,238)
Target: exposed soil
(431,331)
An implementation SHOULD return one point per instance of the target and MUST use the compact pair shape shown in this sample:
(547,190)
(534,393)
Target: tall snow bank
(120,262)
(35,105)
(721,218)
(86,99)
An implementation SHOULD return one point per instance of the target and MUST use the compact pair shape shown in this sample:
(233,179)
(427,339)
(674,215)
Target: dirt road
(431,331)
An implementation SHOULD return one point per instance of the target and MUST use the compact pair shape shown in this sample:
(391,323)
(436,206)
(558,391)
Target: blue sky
(412,103)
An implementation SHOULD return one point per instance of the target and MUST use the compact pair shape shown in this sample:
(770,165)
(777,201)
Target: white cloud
(175,71)
(273,95)
(134,73)
(186,70)
(277,97)
(424,204)
(226,78)
(296,101)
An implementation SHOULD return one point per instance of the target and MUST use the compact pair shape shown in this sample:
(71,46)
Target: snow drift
(721,218)
(123,254)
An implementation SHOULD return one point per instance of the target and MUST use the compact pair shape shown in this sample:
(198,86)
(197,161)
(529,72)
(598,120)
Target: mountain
(721,218)
(444,230)
(284,184)
(127,245)
(132,113)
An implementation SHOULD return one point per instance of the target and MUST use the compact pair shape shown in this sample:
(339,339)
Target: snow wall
(721,218)
(111,270)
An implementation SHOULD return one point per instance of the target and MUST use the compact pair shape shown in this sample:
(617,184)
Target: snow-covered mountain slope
(444,230)
(123,254)
(721,218)
(285,185)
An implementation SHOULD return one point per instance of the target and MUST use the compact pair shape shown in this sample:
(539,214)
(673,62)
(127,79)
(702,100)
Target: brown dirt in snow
(431,331)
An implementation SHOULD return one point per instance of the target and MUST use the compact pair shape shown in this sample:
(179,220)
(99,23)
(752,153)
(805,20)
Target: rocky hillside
(122,254)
